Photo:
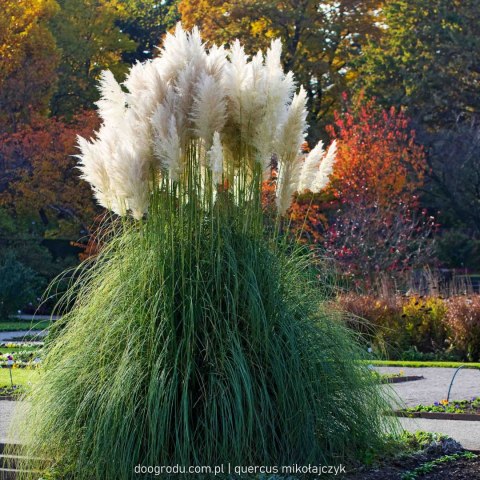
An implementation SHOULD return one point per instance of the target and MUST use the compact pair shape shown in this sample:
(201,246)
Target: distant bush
(17,284)
(463,319)
(424,322)
(377,321)
(416,328)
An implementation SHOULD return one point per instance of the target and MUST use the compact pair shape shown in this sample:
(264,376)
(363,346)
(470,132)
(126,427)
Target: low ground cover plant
(428,467)
(471,406)
(20,358)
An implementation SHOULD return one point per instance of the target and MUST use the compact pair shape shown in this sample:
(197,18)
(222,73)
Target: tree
(29,58)
(41,180)
(427,60)
(376,225)
(320,39)
(377,157)
(90,41)
(145,22)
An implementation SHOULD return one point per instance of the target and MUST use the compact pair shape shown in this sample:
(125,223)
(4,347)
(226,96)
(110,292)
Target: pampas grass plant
(197,336)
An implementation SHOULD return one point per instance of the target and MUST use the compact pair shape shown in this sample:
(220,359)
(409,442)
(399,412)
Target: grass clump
(199,353)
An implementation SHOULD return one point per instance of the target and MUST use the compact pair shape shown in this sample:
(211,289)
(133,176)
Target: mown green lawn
(18,349)
(16,325)
(20,376)
(415,364)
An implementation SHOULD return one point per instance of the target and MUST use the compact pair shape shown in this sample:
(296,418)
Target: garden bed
(9,393)
(454,410)
(417,455)
(462,466)
(401,378)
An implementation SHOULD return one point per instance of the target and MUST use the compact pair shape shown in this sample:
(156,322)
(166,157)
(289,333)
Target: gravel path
(7,408)
(17,336)
(434,387)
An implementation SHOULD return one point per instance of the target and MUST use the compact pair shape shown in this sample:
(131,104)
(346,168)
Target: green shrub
(424,322)
(18,284)
(377,321)
(416,328)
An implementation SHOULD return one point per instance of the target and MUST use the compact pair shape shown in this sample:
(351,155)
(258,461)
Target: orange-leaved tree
(377,226)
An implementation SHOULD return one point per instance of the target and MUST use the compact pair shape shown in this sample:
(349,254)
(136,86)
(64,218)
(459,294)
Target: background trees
(427,62)
(28,59)
(90,41)
(145,22)
(421,57)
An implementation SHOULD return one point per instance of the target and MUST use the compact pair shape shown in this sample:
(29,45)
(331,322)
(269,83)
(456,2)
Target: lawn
(417,364)
(21,376)
(16,325)
(33,348)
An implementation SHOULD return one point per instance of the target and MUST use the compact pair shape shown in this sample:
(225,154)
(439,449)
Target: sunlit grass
(32,348)
(20,376)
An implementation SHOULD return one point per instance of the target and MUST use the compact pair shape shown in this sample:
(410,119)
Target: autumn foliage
(40,168)
(28,59)
(378,227)
(378,160)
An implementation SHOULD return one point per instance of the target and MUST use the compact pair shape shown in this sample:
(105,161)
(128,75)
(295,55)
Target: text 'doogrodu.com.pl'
(230,469)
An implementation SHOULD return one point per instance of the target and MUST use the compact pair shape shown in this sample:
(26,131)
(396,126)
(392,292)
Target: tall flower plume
(215,110)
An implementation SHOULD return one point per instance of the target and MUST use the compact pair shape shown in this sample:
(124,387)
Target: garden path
(466,433)
(7,409)
(434,387)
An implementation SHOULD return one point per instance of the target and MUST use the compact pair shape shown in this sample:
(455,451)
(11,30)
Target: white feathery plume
(185,92)
(310,167)
(96,167)
(216,62)
(174,54)
(253,99)
(290,137)
(281,86)
(291,133)
(146,88)
(277,94)
(112,103)
(179,50)
(209,109)
(188,93)
(287,182)
(326,168)
(236,72)
(215,159)
(129,178)
(167,146)
(94,170)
